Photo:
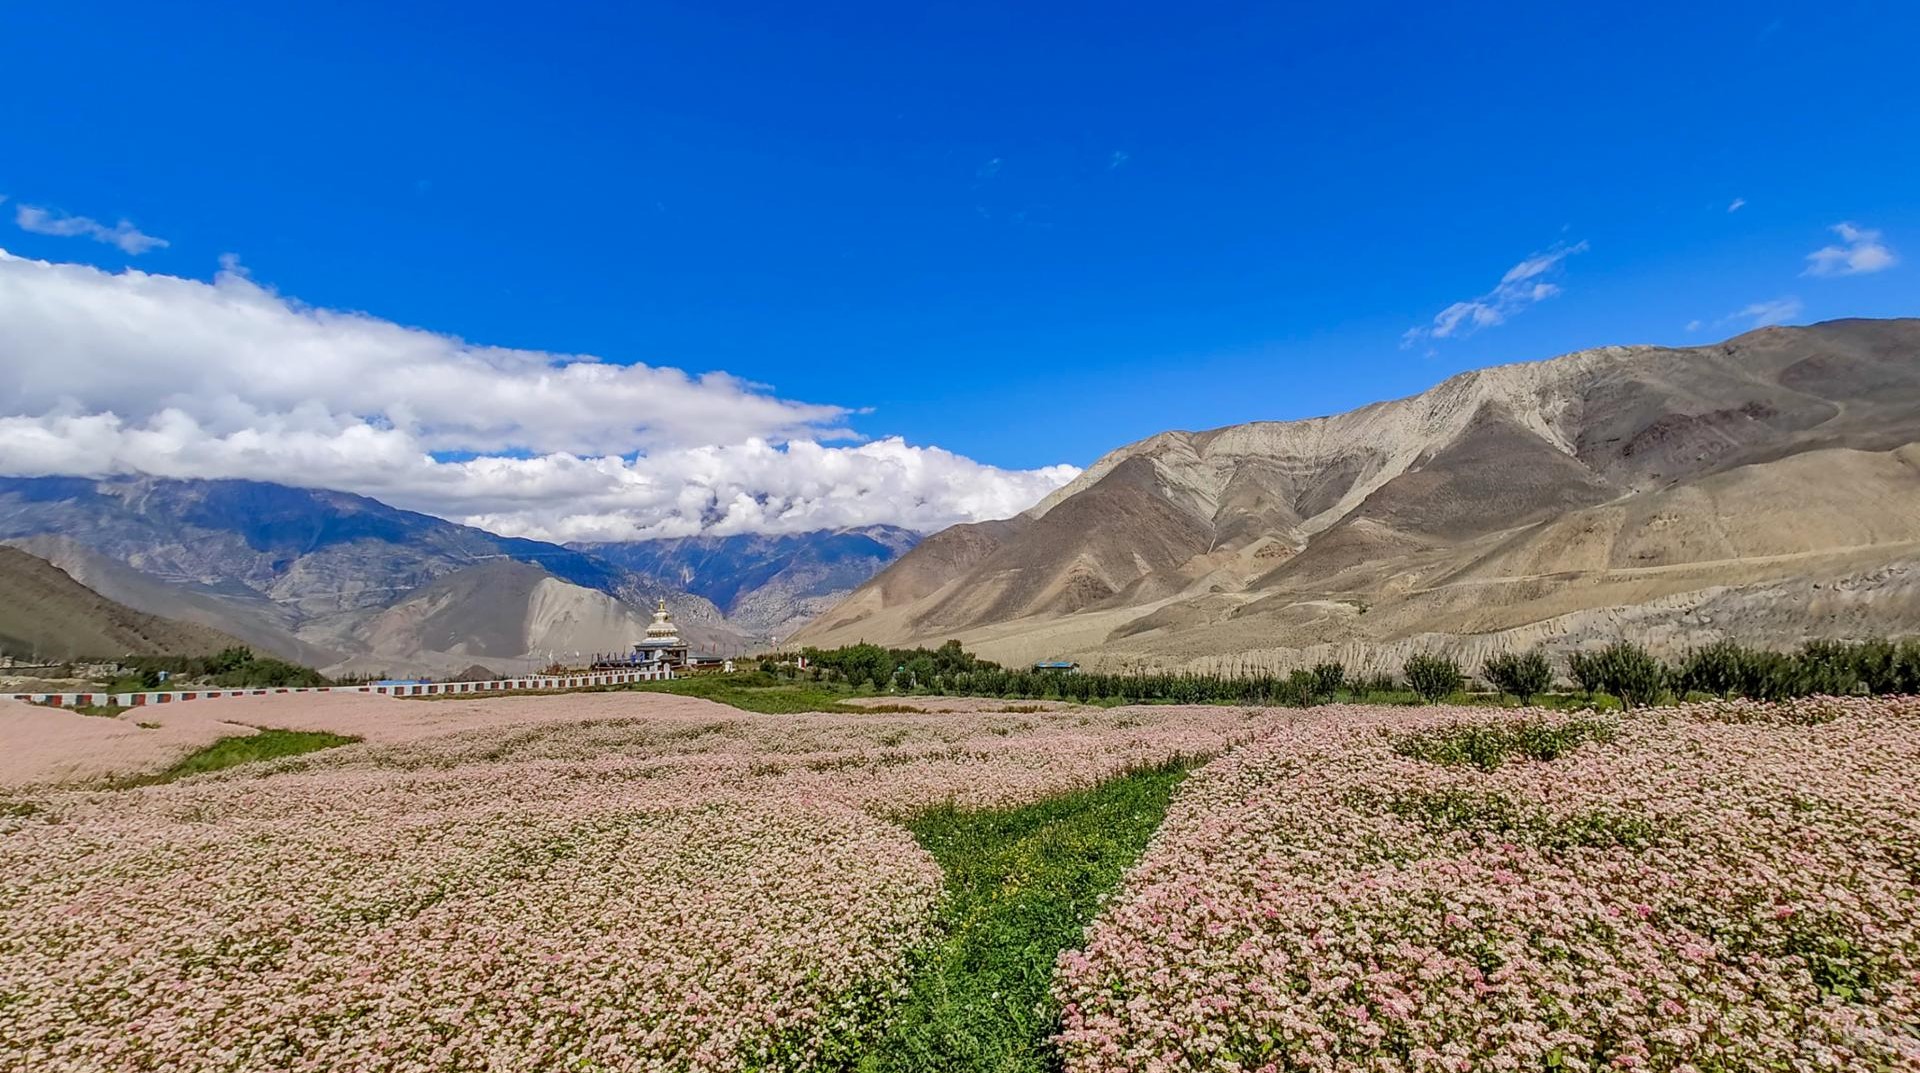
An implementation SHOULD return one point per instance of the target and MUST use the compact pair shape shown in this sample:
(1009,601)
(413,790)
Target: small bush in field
(1584,669)
(1827,667)
(1488,745)
(1720,669)
(1297,690)
(1433,677)
(1328,678)
(1623,670)
(1522,674)
(1886,668)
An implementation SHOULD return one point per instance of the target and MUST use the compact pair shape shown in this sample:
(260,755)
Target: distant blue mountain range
(293,568)
(764,582)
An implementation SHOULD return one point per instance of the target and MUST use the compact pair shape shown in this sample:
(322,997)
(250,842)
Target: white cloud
(1737,204)
(129,238)
(134,372)
(1522,286)
(1862,253)
(1694,326)
(1763,314)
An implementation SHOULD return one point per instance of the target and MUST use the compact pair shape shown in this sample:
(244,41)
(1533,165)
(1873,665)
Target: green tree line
(230,668)
(1624,671)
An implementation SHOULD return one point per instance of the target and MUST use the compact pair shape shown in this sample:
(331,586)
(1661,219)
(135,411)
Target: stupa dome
(662,629)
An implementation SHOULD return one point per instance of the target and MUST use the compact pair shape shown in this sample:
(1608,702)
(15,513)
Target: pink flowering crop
(1714,888)
(639,882)
(609,882)
(42,746)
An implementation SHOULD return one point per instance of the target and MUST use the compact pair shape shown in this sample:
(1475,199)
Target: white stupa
(662,643)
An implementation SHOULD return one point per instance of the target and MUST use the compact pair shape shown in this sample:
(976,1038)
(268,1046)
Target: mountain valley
(349,584)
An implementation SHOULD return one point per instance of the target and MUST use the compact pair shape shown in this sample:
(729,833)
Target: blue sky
(1023,233)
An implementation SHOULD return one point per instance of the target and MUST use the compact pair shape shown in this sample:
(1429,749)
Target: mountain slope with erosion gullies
(1676,489)
(46,614)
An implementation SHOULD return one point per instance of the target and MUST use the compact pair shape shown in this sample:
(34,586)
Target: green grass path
(225,753)
(1022,884)
(785,698)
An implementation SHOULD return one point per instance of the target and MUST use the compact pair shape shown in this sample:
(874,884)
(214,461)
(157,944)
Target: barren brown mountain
(45,613)
(1765,488)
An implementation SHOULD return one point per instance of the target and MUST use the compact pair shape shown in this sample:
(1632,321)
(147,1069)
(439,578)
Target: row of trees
(230,668)
(1727,669)
(883,668)
(951,670)
(1315,685)
(1623,670)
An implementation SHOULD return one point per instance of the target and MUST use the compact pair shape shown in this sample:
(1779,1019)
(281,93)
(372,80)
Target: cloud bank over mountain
(104,373)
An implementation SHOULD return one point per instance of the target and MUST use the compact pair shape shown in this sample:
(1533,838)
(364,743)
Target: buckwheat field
(636,882)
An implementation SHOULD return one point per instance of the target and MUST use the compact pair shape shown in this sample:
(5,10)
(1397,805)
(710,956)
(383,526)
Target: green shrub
(1328,679)
(230,668)
(266,671)
(1826,667)
(1623,670)
(1720,669)
(1297,690)
(1902,674)
(1521,674)
(1584,669)
(1768,676)
(1433,677)
(1877,665)
(1488,745)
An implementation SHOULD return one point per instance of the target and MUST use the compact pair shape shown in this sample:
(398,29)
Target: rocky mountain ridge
(1499,500)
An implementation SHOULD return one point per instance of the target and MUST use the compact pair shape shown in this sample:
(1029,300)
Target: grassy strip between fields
(747,693)
(758,692)
(1022,885)
(227,752)
(754,691)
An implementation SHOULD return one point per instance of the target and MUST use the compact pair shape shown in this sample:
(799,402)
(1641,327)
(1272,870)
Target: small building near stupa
(663,646)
